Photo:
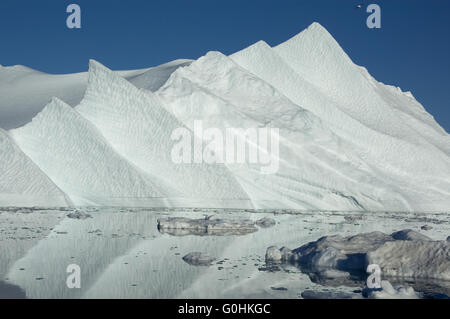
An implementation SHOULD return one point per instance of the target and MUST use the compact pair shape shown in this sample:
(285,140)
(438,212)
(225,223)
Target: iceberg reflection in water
(122,254)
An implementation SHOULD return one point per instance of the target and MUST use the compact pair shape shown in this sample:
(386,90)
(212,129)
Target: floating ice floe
(265,222)
(179,226)
(78,215)
(198,259)
(409,234)
(404,254)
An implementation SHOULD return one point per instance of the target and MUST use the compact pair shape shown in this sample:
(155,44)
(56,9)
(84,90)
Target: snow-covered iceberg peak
(377,115)
(383,160)
(78,159)
(316,50)
(22,183)
(141,130)
(316,57)
(317,169)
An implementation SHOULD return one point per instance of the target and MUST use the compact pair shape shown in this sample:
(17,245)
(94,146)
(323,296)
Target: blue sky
(411,50)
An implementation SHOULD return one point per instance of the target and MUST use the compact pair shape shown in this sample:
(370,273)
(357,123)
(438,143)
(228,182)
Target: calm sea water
(121,253)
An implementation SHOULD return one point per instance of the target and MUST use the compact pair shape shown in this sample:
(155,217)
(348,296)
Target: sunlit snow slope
(81,162)
(21,181)
(317,167)
(140,128)
(346,141)
(24,92)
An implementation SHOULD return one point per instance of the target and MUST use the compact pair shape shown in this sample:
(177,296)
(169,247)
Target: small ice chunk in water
(265,222)
(79,215)
(198,259)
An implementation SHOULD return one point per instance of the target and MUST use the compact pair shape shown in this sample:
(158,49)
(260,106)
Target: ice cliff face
(346,141)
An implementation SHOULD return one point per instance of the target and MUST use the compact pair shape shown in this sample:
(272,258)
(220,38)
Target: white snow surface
(21,181)
(77,158)
(347,141)
(25,92)
(139,129)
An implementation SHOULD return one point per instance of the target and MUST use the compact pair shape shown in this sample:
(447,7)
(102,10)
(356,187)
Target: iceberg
(346,142)
(139,128)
